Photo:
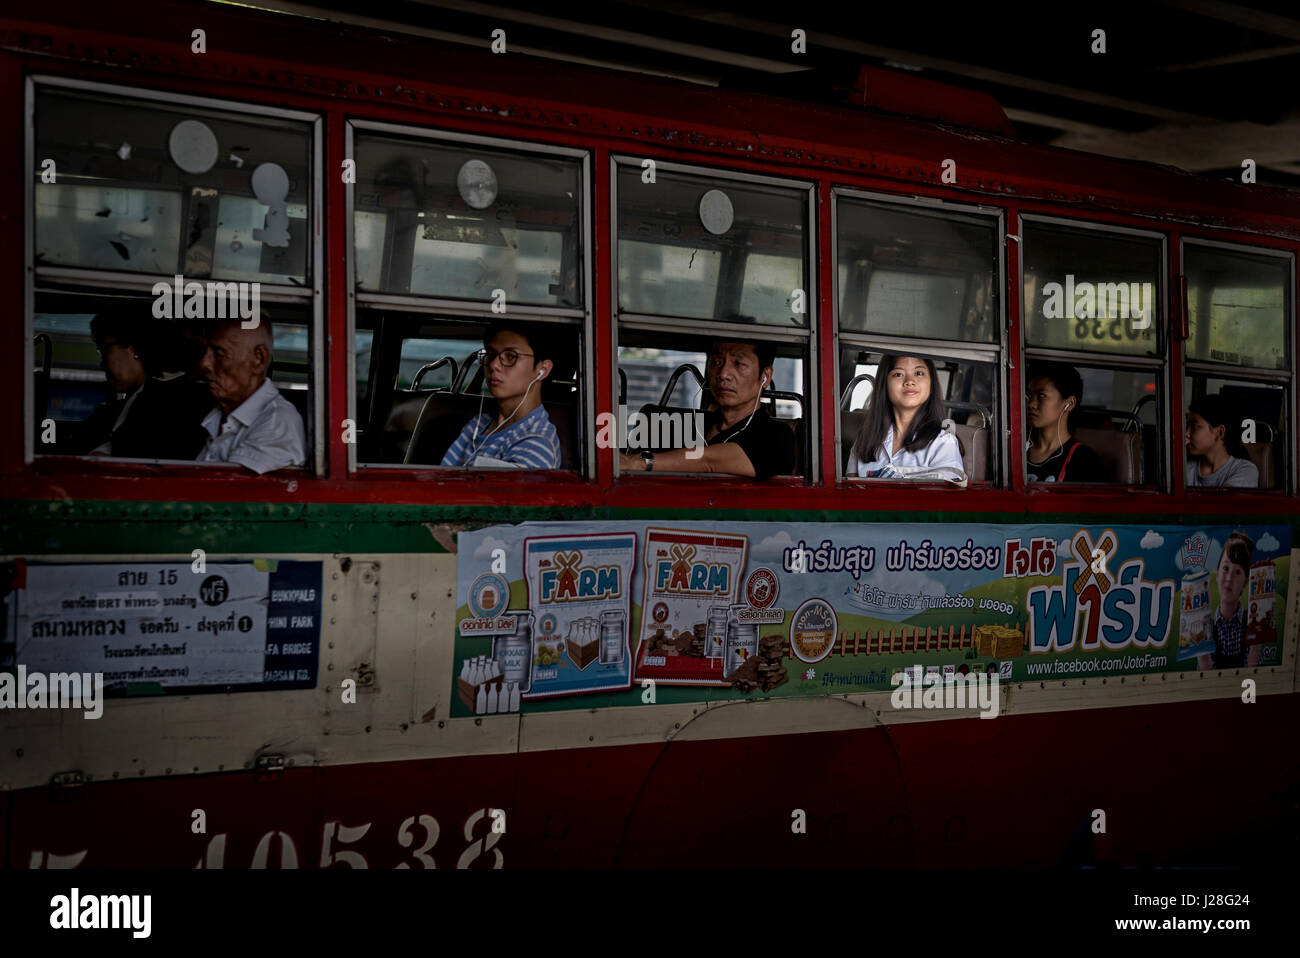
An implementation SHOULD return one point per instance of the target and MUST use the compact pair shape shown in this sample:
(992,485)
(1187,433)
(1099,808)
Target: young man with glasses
(519,434)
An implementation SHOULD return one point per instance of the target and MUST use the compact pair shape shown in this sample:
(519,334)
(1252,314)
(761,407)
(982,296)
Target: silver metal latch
(268,767)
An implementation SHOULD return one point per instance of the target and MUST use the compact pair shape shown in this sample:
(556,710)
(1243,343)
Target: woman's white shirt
(942,451)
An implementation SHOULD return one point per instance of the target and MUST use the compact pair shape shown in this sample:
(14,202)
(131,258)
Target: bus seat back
(1261,454)
(974,451)
(1120,453)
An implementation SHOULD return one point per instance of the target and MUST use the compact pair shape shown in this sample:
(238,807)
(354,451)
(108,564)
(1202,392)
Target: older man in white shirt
(253,425)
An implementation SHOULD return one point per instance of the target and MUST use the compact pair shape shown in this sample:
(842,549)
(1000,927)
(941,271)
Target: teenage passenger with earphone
(519,434)
(903,431)
(741,439)
(1054,394)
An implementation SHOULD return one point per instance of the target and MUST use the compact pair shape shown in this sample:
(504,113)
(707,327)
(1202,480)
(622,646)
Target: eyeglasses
(508,357)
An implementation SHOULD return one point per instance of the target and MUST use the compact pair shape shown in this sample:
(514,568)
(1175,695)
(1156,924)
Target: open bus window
(669,389)
(424,381)
(468,221)
(1091,290)
(143,187)
(912,272)
(114,381)
(1251,450)
(707,247)
(1114,422)
(969,394)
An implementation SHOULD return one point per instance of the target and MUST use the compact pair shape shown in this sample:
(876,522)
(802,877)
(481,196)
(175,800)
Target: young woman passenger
(1229,623)
(1054,455)
(903,426)
(1215,455)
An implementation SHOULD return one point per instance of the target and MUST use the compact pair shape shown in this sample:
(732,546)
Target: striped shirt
(530,443)
(263,433)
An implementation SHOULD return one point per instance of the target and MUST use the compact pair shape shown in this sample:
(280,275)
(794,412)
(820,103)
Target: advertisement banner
(162,627)
(724,612)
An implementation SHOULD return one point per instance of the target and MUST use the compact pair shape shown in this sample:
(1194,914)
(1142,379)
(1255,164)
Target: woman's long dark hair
(926,424)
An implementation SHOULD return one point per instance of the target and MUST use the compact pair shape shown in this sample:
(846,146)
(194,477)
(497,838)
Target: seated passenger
(1229,623)
(253,425)
(1054,455)
(519,433)
(157,413)
(902,434)
(1211,432)
(741,439)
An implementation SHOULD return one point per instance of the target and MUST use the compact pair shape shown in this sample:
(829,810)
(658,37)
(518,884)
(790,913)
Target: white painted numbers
(406,838)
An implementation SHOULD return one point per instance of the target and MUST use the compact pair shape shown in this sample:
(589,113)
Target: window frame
(995,352)
(806,336)
(1285,377)
(414,303)
(1160,363)
(65,279)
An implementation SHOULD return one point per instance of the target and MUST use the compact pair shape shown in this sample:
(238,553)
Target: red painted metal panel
(1188,783)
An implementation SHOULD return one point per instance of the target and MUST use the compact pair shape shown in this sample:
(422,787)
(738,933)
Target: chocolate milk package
(691,579)
(1261,625)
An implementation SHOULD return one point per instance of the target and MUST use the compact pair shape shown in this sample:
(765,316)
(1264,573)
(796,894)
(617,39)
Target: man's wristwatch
(648,458)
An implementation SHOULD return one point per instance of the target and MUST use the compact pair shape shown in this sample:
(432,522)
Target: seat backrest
(974,451)
(1120,453)
(795,426)
(1261,454)
(441,419)
(563,417)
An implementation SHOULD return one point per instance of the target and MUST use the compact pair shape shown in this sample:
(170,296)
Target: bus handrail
(430,367)
(676,375)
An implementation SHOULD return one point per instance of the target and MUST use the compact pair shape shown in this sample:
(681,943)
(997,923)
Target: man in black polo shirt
(741,438)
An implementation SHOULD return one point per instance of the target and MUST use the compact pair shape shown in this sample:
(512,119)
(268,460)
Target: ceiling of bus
(1197,84)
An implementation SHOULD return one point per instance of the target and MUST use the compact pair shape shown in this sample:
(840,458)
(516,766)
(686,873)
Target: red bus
(372,660)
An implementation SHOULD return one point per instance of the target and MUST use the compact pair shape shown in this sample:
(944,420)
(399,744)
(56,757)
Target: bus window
(676,382)
(426,381)
(1238,366)
(1253,420)
(919,281)
(912,272)
(703,246)
(1091,290)
(467,221)
(1089,293)
(144,187)
(151,404)
(969,399)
